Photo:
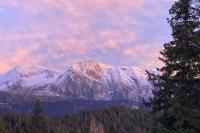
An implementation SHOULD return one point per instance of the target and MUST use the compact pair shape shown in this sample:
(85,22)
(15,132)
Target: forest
(108,120)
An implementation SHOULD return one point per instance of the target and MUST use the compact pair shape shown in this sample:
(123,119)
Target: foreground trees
(177,95)
(111,120)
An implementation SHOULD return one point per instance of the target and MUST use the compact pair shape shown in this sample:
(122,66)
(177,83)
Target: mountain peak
(19,69)
(19,73)
(88,62)
(87,66)
(87,79)
(31,69)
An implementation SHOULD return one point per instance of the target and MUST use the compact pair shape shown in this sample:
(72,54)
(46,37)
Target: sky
(57,33)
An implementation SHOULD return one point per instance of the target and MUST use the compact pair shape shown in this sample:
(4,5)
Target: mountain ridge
(87,79)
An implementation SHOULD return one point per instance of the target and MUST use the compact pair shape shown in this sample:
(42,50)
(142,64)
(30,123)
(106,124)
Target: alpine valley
(85,85)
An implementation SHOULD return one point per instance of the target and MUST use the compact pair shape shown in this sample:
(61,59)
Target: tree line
(108,120)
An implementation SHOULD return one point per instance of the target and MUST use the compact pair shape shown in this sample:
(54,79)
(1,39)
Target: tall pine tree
(39,124)
(177,86)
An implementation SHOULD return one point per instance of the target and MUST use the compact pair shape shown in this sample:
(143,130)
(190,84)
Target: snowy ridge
(86,79)
(27,77)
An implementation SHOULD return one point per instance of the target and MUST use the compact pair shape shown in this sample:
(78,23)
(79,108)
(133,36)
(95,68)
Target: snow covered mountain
(88,80)
(23,80)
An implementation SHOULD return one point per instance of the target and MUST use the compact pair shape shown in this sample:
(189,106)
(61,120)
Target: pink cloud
(147,53)
(75,28)
(115,38)
(3,66)
(81,7)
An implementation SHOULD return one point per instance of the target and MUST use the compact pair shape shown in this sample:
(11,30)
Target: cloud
(113,38)
(145,54)
(3,67)
(58,32)
(79,7)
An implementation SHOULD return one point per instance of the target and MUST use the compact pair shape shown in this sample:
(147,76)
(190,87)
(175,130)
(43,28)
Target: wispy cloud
(58,32)
(146,55)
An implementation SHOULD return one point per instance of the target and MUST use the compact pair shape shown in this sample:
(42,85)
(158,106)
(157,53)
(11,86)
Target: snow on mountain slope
(86,79)
(91,80)
(27,78)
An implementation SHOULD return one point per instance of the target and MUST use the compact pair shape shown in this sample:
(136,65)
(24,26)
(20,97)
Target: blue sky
(55,33)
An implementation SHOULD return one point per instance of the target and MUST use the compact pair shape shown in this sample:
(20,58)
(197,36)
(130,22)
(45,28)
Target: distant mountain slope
(31,80)
(87,80)
(91,80)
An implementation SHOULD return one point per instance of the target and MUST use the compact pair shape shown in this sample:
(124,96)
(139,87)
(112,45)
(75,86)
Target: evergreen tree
(108,120)
(2,126)
(177,86)
(39,124)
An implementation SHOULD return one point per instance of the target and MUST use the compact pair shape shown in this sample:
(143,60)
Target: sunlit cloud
(55,33)
(146,54)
